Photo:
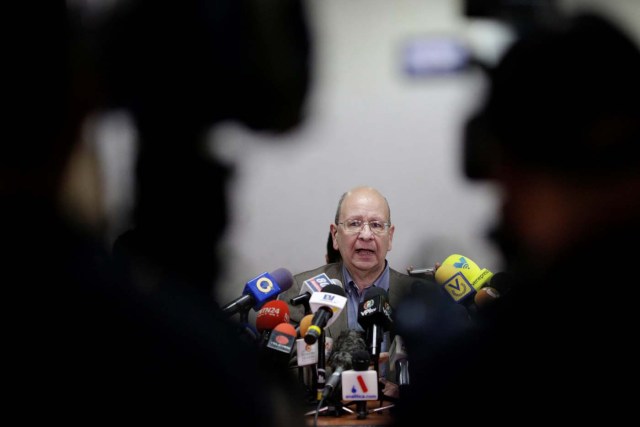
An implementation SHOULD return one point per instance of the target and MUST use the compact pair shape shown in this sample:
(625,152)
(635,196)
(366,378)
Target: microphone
(375,316)
(306,357)
(270,315)
(257,291)
(309,286)
(461,278)
(308,354)
(360,383)
(398,359)
(311,357)
(305,322)
(280,344)
(326,306)
(348,342)
(499,285)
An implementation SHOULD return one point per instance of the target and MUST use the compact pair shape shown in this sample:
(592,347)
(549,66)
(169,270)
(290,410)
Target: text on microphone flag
(329,297)
(318,282)
(280,341)
(363,385)
(462,263)
(359,385)
(264,283)
(458,286)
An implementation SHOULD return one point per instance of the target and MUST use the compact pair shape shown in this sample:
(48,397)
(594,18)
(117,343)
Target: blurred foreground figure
(559,133)
(84,342)
(181,69)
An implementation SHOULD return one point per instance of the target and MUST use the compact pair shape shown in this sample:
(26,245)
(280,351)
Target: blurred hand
(390,389)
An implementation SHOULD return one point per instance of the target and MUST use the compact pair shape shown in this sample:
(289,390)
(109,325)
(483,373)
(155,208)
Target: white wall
(368,123)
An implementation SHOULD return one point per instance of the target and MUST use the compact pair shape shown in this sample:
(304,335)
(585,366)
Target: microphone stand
(321,372)
(377,338)
(308,378)
(320,380)
(381,396)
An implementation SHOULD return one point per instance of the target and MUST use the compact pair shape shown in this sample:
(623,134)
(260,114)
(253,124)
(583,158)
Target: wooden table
(347,415)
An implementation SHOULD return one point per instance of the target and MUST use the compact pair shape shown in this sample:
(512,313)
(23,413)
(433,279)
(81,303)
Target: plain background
(369,122)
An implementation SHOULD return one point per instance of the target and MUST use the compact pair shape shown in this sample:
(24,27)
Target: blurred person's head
(363,231)
(45,164)
(560,133)
(223,60)
(179,69)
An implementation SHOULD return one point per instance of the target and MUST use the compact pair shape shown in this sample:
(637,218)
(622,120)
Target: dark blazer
(399,285)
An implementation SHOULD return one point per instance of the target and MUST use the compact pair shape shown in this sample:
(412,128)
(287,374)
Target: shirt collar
(381,282)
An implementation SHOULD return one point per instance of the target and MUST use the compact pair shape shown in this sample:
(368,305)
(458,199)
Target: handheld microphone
(310,286)
(348,342)
(305,322)
(485,297)
(326,306)
(270,315)
(360,384)
(308,354)
(375,316)
(280,344)
(302,299)
(342,361)
(499,285)
(257,291)
(461,278)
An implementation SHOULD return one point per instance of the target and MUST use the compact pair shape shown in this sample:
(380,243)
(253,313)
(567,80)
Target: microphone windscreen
(340,359)
(271,314)
(375,310)
(305,322)
(281,343)
(477,276)
(361,359)
(334,289)
(485,296)
(286,328)
(349,341)
(444,273)
(337,282)
(499,285)
(462,262)
(283,277)
(374,291)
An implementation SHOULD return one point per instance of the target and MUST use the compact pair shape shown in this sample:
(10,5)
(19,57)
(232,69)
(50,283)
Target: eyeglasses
(353,226)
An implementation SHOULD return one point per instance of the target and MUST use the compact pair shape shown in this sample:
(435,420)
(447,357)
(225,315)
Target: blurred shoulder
(402,284)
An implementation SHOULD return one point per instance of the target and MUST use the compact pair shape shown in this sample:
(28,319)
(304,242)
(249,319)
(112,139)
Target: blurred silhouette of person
(85,340)
(223,61)
(559,133)
(332,255)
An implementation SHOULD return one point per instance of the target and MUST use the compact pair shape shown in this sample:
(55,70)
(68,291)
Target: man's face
(364,251)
